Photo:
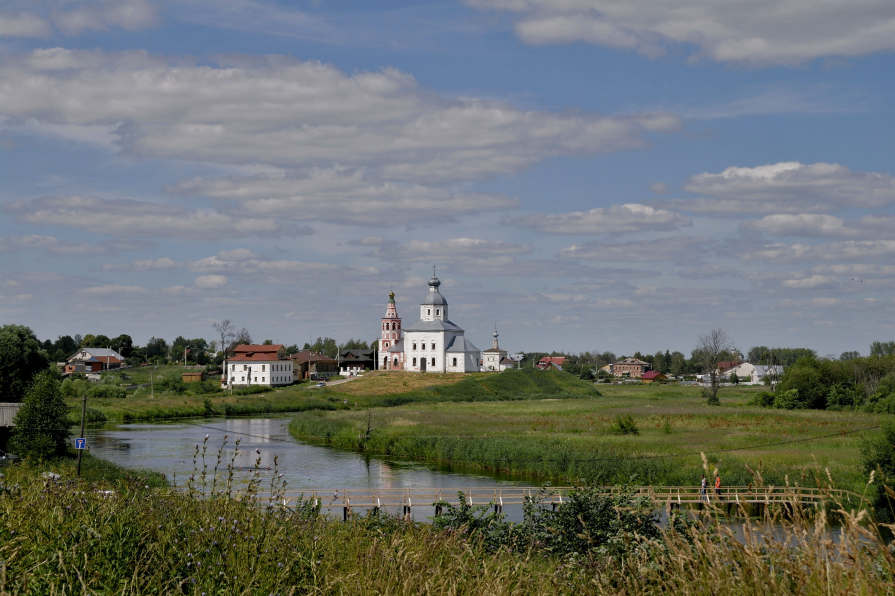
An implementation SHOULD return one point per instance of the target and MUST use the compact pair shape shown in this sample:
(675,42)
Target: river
(168,447)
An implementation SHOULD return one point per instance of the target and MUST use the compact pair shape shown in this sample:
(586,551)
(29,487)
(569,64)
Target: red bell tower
(391,346)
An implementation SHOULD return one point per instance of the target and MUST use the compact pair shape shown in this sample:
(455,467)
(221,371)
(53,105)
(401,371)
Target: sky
(587,174)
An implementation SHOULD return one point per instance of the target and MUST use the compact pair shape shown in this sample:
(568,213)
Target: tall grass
(57,538)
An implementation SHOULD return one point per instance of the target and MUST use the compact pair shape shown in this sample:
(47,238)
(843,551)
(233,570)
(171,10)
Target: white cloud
(211,281)
(813,282)
(754,32)
(680,249)
(707,272)
(114,290)
(124,217)
(101,15)
(144,265)
(283,112)
(341,196)
(421,251)
(852,250)
(786,187)
(23,24)
(814,225)
(63,248)
(605,220)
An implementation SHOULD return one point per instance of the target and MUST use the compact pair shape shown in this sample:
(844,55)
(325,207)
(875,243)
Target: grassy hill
(510,385)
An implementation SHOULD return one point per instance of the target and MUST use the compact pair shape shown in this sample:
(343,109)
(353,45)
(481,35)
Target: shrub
(103,391)
(764,399)
(807,382)
(624,425)
(41,425)
(878,456)
(788,400)
(842,397)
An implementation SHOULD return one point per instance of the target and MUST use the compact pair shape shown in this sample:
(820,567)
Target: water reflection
(170,447)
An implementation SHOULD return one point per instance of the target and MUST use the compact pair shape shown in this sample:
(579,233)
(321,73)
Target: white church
(432,344)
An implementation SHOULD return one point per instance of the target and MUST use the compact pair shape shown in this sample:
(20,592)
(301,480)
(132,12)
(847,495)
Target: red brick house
(633,368)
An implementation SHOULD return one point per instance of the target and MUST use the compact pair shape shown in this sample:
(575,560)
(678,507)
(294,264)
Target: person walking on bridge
(718,486)
(702,489)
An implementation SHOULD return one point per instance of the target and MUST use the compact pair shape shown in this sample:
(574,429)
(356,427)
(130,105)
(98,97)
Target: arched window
(433,362)
(437,311)
(428,311)
(414,347)
(433,346)
(396,362)
(414,361)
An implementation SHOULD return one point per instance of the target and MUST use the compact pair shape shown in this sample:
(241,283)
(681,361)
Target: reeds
(61,538)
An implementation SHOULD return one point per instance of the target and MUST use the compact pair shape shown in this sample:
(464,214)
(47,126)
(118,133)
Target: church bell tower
(391,336)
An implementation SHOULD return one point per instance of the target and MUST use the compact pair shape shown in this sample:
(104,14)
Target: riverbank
(373,390)
(54,540)
(94,470)
(576,440)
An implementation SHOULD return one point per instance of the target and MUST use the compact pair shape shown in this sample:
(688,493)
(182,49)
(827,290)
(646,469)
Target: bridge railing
(378,498)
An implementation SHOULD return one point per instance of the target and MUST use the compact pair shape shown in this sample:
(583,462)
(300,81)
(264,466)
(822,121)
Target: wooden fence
(668,496)
(8,411)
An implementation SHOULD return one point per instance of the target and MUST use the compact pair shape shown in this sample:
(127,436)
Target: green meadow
(571,438)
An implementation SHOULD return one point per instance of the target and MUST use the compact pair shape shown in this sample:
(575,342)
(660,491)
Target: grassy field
(570,440)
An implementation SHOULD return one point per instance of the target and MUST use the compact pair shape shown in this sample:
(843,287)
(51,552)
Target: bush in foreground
(135,541)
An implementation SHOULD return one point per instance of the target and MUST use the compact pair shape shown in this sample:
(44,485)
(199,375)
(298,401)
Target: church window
(455,362)
(414,361)
(428,311)
(437,311)
(396,362)
(414,347)
(433,346)
(433,362)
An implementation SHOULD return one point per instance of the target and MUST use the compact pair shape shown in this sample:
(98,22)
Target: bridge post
(345,514)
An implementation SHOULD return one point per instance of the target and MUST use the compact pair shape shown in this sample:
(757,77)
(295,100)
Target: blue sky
(590,174)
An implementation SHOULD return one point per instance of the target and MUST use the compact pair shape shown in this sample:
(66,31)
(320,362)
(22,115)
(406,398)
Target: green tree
(678,364)
(734,379)
(95,341)
(20,359)
(156,347)
(124,345)
(878,455)
(849,356)
(41,425)
(882,348)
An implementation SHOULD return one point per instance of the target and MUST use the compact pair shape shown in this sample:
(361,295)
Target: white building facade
(434,343)
(258,365)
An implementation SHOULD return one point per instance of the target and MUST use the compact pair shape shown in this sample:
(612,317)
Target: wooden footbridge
(671,497)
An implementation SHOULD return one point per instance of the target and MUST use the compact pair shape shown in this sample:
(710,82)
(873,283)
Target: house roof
(728,364)
(309,356)
(358,354)
(256,349)
(435,325)
(632,361)
(652,374)
(508,361)
(459,343)
(102,353)
(398,347)
(554,359)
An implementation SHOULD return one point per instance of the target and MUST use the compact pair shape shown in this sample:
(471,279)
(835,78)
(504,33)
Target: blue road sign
(80,443)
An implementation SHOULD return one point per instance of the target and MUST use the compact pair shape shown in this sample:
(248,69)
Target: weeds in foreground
(61,537)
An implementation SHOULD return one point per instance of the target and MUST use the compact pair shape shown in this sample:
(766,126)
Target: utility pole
(83,416)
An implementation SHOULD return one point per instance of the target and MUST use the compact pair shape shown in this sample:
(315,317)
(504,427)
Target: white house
(761,371)
(258,365)
(434,343)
